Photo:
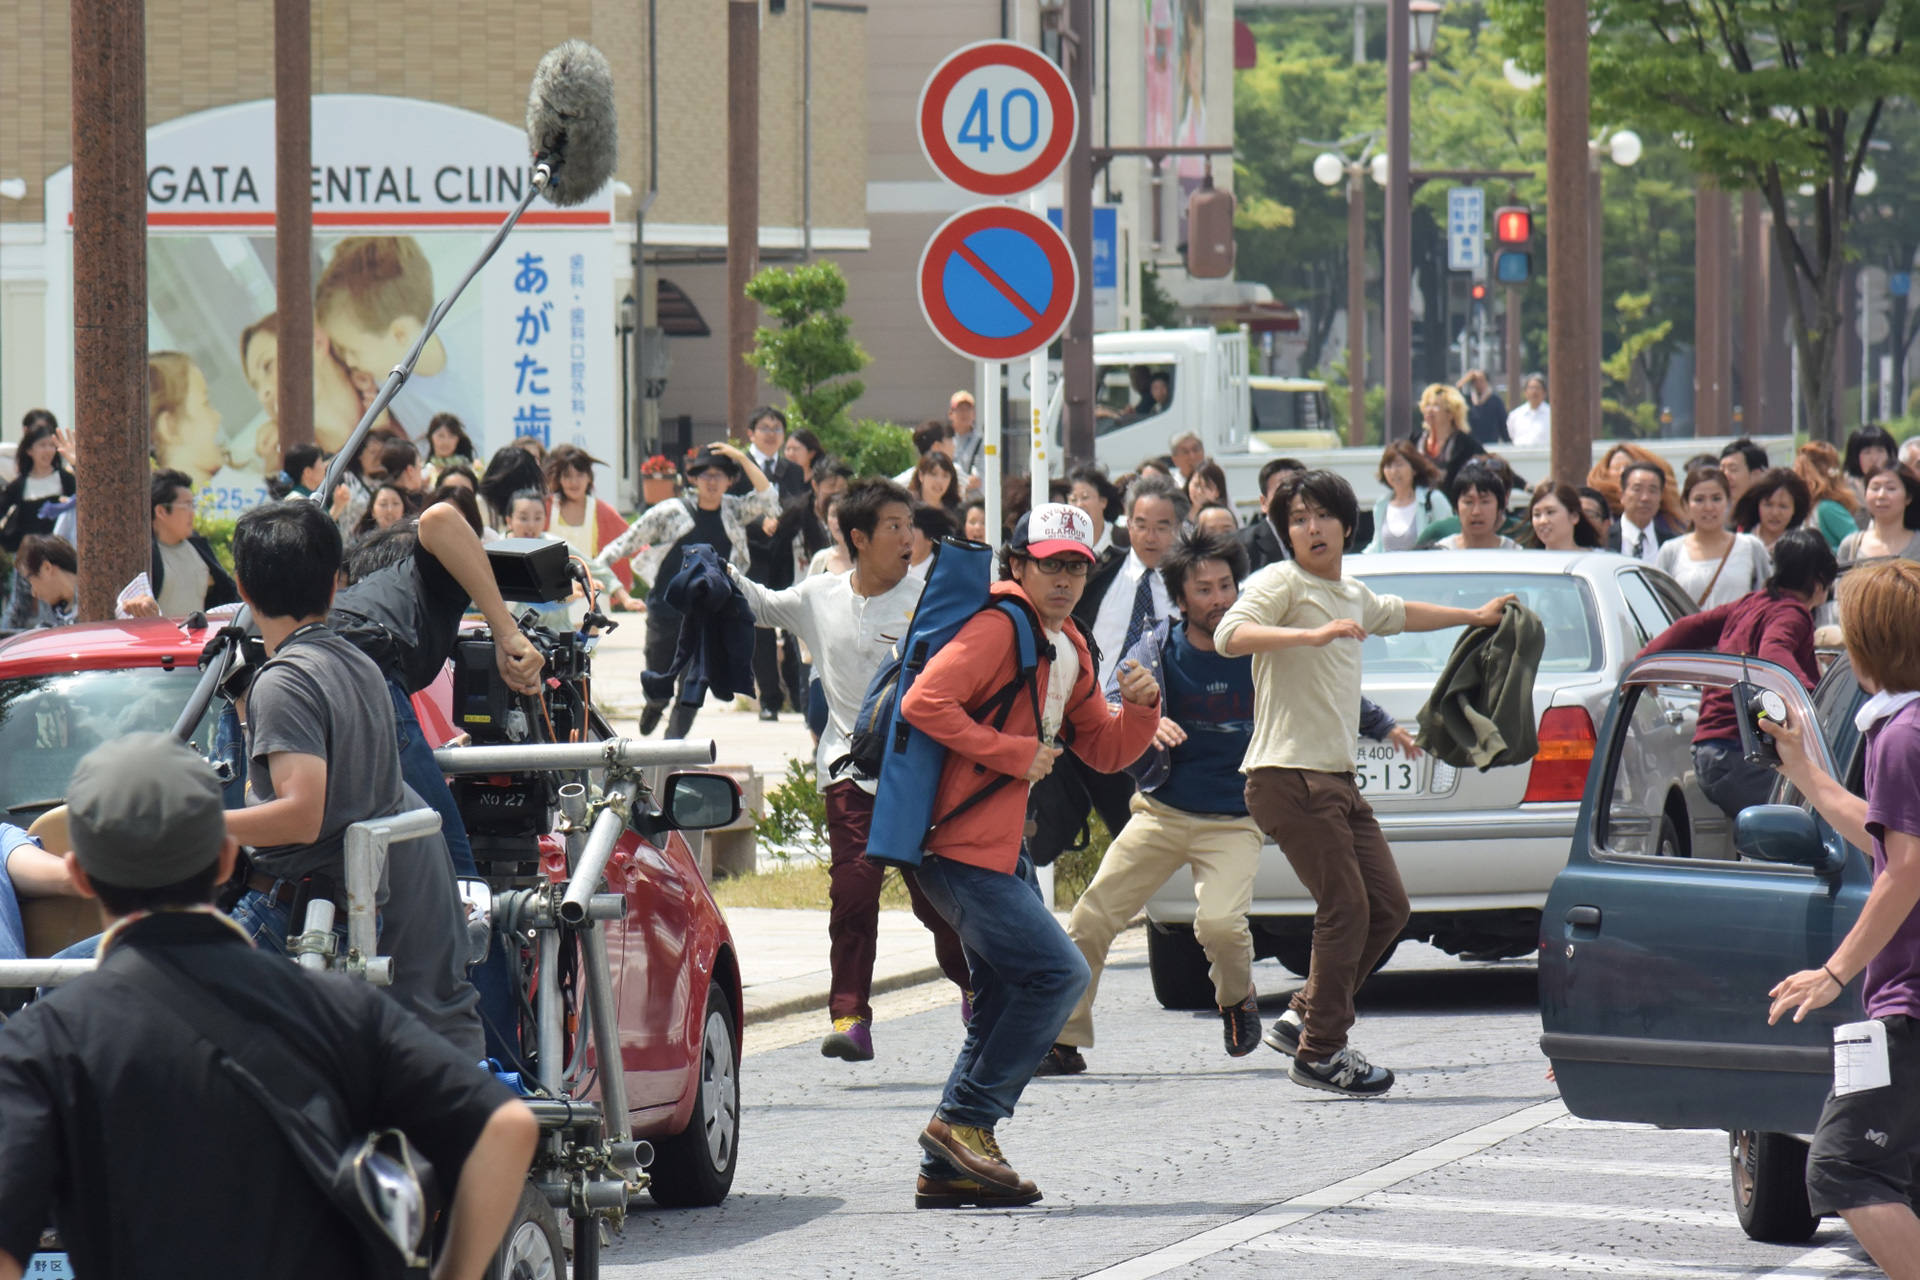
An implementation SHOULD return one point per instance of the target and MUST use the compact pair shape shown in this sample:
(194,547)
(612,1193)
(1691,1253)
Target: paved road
(1170,1159)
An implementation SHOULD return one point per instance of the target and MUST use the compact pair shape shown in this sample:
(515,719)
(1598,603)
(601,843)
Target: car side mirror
(700,801)
(1783,833)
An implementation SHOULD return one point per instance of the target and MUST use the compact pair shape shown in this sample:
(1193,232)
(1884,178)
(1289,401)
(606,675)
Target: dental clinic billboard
(405,194)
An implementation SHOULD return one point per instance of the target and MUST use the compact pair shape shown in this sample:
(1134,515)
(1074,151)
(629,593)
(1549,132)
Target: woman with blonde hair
(1834,505)
(1446,440)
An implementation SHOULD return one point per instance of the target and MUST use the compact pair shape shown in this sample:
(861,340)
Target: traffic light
(1513,233)
(1479,292)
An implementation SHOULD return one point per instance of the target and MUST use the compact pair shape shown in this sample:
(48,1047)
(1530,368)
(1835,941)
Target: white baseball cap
(1054,529)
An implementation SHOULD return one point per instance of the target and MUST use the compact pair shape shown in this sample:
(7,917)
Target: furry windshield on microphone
(571,123)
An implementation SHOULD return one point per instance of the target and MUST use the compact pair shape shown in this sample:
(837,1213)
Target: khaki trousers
(1158,840)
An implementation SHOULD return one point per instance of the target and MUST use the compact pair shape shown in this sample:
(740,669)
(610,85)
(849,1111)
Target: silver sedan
(1477,851)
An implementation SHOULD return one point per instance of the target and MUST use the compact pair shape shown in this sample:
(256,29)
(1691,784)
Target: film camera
(506,813)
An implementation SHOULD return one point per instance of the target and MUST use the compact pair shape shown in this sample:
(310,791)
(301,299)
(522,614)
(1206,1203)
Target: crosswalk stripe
(1689,1170)
(1444,1259)
(1567,1212)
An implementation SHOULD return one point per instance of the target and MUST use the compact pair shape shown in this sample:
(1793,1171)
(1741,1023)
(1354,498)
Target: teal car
(1657,952)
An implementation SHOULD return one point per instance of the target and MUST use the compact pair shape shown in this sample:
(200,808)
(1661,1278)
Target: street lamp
(1423,19)
(1328,170)
(1623,147)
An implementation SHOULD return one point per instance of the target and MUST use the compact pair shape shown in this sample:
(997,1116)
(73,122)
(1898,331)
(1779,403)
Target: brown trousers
(1328,832)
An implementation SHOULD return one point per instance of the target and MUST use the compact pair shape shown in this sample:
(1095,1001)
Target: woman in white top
(834,557)
(1713,564)
(1893,509)
(1413,499)
(581,520)
(1531,422)
(1096,495)
(1559,523)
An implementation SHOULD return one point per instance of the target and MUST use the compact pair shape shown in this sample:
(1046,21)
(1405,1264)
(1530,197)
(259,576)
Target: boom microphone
(572,123)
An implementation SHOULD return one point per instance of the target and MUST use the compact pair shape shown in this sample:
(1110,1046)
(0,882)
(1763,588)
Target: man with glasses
(186,576)
(1027,974)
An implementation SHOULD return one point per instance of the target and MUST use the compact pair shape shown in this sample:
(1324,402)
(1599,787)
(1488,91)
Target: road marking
(1821,1260)
(1581,1212)
(1285,1213)
(1684,1170)
(1446,1259)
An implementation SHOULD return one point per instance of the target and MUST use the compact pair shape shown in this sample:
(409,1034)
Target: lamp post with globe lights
(1622,146)
(1328,169)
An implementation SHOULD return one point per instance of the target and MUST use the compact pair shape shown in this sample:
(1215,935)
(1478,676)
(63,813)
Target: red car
(673,964)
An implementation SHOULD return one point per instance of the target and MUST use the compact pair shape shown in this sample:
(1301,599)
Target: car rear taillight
(1566,753)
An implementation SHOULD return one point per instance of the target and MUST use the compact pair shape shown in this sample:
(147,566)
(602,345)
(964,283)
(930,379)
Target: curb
(818,1002)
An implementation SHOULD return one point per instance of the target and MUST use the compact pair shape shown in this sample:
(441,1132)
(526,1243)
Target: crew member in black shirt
(119,1126)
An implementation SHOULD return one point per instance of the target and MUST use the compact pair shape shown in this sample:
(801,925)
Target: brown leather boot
(965,1193)
(974,1153)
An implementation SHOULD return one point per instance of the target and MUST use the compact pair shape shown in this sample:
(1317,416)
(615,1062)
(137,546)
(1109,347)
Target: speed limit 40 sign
(997,118)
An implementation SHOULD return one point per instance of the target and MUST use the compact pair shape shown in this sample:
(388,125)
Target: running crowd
(1170,631)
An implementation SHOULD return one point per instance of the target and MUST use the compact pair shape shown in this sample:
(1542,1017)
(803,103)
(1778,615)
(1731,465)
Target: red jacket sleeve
(967,670)
(1109,736)
(1695,631)
(1788,640)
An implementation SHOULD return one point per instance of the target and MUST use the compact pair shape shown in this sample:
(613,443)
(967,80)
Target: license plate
(48,1266)
(1382,769)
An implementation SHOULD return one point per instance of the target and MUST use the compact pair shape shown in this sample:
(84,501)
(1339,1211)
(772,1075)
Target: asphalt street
(1170,1159)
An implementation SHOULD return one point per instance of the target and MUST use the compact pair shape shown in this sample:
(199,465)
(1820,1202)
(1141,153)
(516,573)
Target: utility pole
(1753,315)
(743,204)
(1397,318)
(110,296)
(1356,303)
(293,218)
(1573,378)
(1076,363)
(1712,343)
(1513,356)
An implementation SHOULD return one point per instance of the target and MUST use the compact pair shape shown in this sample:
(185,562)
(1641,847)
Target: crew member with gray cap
(119,1125)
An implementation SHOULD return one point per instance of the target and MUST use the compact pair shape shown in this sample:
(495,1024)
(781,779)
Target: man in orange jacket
(1027,974)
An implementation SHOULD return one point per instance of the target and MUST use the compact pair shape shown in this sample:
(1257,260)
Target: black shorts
(1867,1144)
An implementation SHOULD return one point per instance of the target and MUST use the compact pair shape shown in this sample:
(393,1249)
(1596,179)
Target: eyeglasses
(1072,566)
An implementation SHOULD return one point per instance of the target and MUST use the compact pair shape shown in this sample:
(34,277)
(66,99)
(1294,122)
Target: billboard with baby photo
(405,196)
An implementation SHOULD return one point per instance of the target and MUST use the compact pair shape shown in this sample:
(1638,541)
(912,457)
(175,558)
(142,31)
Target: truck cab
(1153,385)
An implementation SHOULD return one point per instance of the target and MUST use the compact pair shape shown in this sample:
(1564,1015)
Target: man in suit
(1642,526)
(1263,542)
(770,562)
(1124,598)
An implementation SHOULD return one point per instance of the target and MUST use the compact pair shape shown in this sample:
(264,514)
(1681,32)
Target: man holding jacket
(1027,975)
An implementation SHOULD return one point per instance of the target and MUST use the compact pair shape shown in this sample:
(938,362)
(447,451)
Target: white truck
(1246,420)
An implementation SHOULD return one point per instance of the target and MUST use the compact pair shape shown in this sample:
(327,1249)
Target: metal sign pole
(1037,397)
(989,428)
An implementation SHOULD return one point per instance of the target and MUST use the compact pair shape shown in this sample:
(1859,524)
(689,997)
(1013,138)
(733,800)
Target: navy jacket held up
(716,632)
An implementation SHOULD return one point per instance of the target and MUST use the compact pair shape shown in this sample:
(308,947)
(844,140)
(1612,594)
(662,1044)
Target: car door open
(1654,968)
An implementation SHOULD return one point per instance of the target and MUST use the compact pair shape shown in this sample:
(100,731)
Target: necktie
(1142,613)
(1645,550)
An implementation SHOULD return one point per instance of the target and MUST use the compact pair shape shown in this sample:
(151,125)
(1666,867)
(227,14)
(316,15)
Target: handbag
(372,1179)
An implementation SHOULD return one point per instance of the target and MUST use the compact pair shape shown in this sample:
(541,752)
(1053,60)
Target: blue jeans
(1027,977)
(492,978)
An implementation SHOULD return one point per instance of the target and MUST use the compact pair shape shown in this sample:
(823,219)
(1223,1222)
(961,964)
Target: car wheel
(1770,1187)
(1178,968)
(1670,845)
(695,1166)
(1296,953)
(532,1249)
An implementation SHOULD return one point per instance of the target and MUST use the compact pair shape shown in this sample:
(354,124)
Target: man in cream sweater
(1303,620)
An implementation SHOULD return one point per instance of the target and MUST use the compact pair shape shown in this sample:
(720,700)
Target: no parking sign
(997,283)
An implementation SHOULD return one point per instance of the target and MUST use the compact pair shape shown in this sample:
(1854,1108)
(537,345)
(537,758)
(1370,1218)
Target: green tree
(812,353)
(1773,99)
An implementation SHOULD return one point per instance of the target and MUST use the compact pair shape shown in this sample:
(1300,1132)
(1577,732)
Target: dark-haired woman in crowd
(1093,492)
(1869,449)
(390,505)
(1774,501)
(581,520)
(1558,521)
(1893,515)
(937,483)
(1775,623)
(1207,485)
(509,470)
(447,445)
(1412,501)
(1713,564)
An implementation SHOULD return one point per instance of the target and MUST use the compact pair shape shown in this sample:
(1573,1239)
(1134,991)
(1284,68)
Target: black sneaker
(1346,1072)
(1242,1026)
(1284,1035)
(1061,1060)
(650,718)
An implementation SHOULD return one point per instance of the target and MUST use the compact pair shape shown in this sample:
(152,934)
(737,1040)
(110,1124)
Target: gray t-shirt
(320,696)
(184,588)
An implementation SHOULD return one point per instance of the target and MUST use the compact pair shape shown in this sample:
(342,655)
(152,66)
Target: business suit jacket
(770,555)
(1663,530)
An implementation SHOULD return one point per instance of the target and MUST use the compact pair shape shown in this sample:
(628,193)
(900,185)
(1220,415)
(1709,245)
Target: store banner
(405,195)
